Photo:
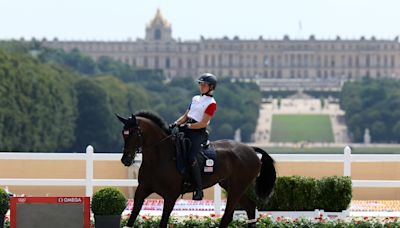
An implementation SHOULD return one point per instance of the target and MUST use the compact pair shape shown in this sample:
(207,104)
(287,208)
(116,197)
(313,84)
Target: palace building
(310,61)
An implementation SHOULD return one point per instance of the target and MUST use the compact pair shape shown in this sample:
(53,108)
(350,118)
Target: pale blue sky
(123,19)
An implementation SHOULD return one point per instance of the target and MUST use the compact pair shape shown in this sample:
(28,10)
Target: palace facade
(305,60)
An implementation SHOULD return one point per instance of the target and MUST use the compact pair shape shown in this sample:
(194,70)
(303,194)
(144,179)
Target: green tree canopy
(372,104)
(37,105)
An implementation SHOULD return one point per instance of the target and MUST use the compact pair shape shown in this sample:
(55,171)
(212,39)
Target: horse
(238,168)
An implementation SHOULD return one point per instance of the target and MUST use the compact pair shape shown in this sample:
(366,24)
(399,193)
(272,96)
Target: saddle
(207,159)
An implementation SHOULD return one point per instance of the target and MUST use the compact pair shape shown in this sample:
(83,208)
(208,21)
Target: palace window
(179,63)
(279,74)
(157,34)
(326,61)
(156,62)
(299,60)
(393,61)
(230,60)
(368,60)
(319,61)
(305,74)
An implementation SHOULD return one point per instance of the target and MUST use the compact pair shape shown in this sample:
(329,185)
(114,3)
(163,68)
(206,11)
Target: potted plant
(4,205)
(107,207)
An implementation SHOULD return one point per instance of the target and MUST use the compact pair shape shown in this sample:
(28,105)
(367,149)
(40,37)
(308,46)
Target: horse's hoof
(127,227)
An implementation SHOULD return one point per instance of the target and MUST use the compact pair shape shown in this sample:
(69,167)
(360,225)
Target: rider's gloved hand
(173,127)
(184,127)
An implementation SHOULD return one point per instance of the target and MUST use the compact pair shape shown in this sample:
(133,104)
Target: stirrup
(198,195)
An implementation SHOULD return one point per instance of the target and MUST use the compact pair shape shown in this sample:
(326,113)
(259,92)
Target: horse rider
(195,121)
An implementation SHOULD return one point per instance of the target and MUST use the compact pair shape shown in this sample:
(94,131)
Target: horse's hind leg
(250,208)
(235,191)
(140,194)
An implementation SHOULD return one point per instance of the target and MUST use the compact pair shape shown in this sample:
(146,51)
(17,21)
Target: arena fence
(89,182)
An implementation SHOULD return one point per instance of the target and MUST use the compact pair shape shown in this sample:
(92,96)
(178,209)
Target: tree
(379,131)
(37,105)
(373,104)
(94,119)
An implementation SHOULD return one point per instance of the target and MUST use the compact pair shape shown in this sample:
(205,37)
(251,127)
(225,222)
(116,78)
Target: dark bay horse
(238,167)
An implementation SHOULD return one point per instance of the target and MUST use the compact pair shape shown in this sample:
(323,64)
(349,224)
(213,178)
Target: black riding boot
(198,195)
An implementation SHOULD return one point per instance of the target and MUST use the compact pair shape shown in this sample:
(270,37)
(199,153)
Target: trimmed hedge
(334,193)
(4,202)
(298,193)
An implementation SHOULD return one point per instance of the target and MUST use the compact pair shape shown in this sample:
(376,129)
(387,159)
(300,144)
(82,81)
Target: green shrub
(304,193)
(297,193)
(108,201)
(4,202)
(334,193)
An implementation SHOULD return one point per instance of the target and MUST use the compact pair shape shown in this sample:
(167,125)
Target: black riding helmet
(210,79)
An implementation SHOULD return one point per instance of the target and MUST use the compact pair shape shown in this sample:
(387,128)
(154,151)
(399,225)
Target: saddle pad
(209,153)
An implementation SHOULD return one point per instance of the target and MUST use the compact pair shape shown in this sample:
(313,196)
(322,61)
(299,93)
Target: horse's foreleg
(140,194)
(169,203)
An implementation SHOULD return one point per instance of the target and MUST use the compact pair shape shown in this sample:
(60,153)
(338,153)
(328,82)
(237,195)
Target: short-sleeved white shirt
(199,105)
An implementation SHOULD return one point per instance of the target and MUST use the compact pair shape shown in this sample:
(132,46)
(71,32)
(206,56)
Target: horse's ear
(134,117)
(123,120)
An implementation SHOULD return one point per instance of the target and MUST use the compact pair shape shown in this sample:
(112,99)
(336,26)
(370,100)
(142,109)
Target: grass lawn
(296,128)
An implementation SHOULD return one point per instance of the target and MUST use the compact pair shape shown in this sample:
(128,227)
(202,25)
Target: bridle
(136,131)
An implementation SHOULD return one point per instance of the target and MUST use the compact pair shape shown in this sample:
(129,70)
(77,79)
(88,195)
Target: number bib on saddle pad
(207,159)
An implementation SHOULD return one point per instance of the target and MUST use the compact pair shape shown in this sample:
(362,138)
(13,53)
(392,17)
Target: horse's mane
(155,119)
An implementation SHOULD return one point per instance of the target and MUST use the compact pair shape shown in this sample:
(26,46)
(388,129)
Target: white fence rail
(347,158)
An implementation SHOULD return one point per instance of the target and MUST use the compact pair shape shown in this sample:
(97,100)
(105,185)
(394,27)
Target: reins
(159,142)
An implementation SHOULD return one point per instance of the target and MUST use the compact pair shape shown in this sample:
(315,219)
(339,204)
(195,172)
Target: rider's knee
(193,163)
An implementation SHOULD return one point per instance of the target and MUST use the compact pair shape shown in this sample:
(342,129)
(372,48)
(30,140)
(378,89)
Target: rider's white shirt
(198,106)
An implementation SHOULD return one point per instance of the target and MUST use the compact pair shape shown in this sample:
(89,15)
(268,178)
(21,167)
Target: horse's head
(133,140)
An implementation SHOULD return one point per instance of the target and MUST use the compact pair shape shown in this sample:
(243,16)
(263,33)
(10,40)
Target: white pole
(89,170)
(217,199)
(347,161)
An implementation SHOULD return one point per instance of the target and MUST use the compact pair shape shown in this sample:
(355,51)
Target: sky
(126,19)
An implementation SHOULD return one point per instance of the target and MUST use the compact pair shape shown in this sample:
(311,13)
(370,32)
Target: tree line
(372,104)
(52,100)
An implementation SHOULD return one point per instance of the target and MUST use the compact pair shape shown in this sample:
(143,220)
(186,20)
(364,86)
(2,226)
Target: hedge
(298,193)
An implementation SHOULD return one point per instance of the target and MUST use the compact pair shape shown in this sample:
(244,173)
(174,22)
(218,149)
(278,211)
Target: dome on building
(159,20)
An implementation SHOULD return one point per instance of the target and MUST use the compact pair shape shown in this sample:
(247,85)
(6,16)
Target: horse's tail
(265,182)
